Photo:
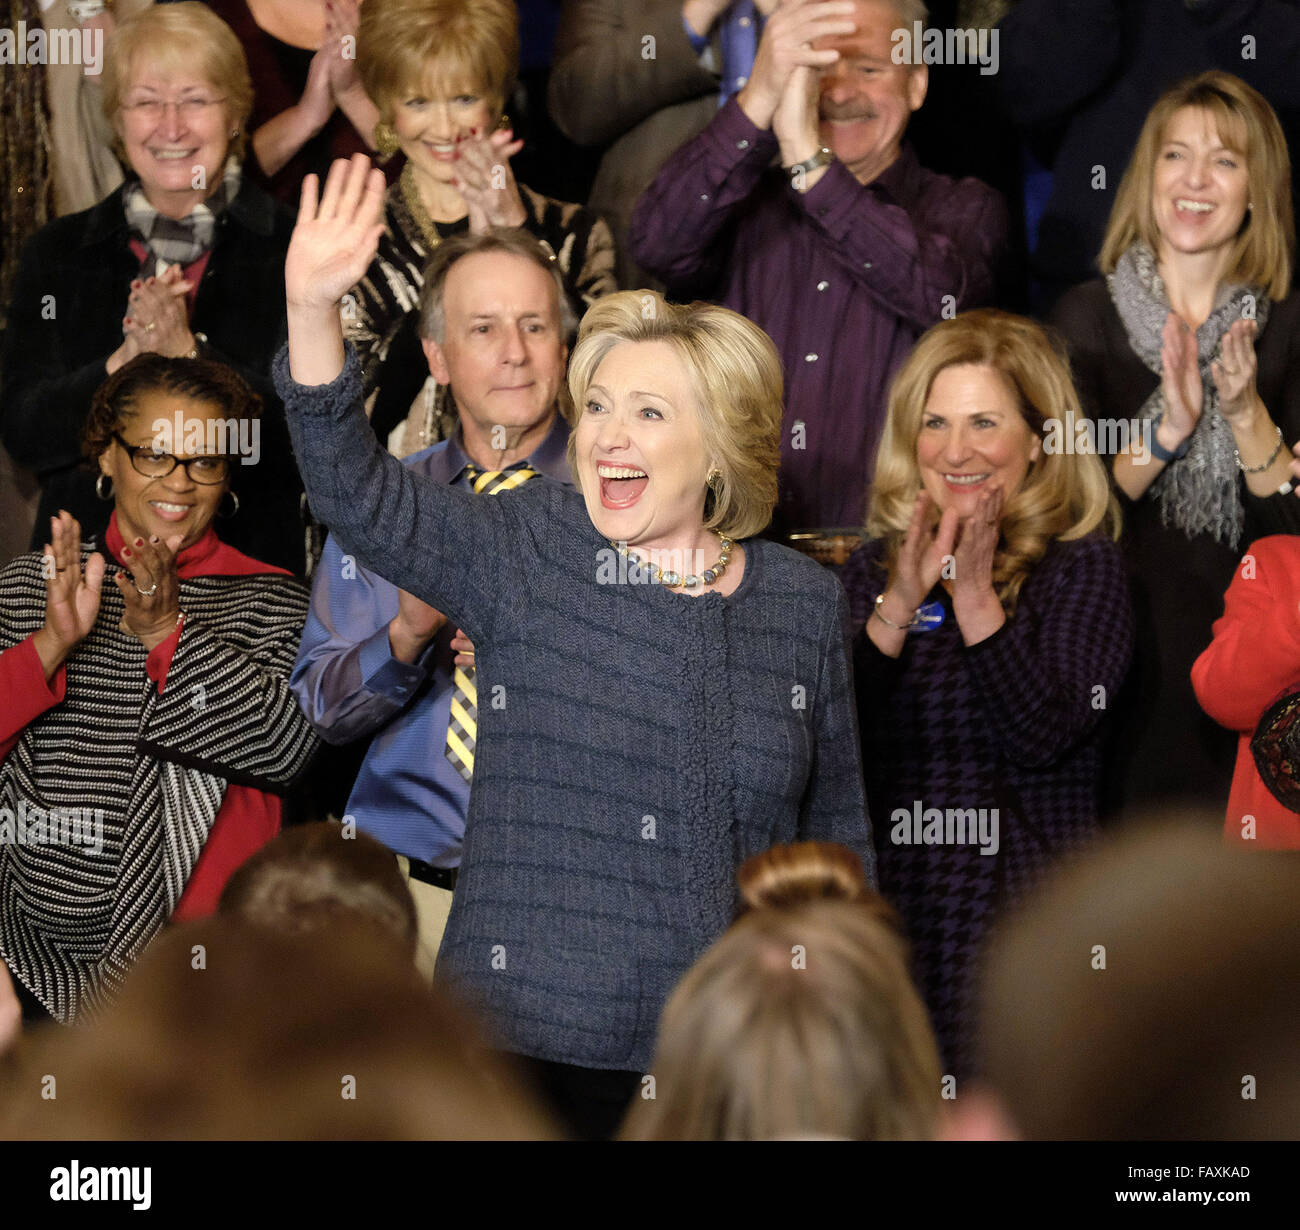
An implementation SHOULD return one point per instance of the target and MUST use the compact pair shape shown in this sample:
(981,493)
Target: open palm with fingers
(337,234)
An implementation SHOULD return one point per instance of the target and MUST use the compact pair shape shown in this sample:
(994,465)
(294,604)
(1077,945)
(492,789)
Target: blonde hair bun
(795,875)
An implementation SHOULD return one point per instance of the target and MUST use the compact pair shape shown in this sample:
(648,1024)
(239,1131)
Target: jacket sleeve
(1048,677)
(615,63)
(346,678)
(228,709)
(24,692)
(1055,53)
(1255,653)
(676,228)
(835,806)
(443,545)
(43,404)
(910,264)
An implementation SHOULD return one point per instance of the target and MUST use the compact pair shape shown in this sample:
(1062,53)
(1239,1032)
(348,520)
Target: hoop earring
(386,140)
(99,487)
(233,511)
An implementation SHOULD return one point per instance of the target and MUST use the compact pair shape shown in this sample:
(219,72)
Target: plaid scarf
(172,241)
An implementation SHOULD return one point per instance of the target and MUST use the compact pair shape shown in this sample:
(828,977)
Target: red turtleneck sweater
(249,818)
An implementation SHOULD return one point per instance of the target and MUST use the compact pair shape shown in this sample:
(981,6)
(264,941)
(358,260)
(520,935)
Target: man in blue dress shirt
(376,661)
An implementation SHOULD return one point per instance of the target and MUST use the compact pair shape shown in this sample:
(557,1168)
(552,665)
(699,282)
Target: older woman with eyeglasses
(185,258)
(146,726)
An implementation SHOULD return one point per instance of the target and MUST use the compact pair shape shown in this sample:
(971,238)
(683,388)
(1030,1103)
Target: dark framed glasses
(205,470)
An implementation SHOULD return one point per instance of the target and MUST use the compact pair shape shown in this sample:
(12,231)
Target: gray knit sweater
(634,745)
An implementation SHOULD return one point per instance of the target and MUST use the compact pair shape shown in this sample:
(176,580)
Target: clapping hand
(157,318)
(977,544)
(795,121)
(925,549)
(342,17)
(785,46)
(152,591)
(1234,372)
(71,593)
(485,180)
(1181,383)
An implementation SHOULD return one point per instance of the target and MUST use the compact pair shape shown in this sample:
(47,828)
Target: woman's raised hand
(71,593)
(337,235)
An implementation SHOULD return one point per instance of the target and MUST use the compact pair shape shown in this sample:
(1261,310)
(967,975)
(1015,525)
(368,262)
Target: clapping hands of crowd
(485,180)
(786,64)
(156,320)
(152,589)
(71,594)
(955,548)
(1233,375)
(333,69)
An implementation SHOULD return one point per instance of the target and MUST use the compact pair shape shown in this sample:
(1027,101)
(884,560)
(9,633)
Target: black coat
(66,320)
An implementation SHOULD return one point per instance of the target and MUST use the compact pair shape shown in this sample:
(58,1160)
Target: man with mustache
(844,253)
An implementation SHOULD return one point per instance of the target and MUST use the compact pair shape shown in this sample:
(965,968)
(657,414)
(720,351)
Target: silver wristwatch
(822,158)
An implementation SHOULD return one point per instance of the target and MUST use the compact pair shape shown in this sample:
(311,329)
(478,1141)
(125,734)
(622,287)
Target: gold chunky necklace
(415,206)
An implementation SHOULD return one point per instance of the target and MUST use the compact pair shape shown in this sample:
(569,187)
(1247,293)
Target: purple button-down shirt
(843,277)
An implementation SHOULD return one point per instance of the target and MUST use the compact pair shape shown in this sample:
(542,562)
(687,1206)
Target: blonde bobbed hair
(802,1020)
(736,375)
(405,46)
(187,35)
(1264,251)
(1064,495)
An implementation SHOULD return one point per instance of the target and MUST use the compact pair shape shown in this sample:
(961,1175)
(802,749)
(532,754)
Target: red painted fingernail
(126,552)
(139,542)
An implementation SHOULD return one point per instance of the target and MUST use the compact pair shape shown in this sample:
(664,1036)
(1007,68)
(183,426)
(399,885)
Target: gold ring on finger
(147,593)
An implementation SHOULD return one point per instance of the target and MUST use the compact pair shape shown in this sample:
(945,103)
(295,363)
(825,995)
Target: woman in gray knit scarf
(659,694)
(1187,357)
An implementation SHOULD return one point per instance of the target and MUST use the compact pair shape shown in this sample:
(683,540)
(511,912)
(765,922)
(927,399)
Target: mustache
(848,113)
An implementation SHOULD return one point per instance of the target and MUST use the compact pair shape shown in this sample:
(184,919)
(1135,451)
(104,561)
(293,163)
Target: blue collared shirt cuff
(383,674)
(699,42)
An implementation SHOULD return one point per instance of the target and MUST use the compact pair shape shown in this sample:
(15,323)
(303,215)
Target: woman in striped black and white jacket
(145,725)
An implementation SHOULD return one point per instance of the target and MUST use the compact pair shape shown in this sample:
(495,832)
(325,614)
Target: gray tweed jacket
(634,745)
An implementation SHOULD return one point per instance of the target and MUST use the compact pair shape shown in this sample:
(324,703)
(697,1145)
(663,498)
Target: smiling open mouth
(621,486)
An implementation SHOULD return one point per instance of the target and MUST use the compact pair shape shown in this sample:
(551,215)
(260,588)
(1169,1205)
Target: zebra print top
(78,903)
(374,310)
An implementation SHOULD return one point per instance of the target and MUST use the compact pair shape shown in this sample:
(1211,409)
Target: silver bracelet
(1245,469)
(889,623)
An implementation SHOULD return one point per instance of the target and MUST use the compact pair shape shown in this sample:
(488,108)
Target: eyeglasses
(207,471)
(153,109)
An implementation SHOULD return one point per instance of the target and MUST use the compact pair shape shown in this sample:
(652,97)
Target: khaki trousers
(432,905)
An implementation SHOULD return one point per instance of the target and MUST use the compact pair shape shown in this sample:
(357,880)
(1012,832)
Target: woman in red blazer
(1253,660)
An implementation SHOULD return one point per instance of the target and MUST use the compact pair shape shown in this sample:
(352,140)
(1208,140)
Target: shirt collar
(550,457)
(901,179)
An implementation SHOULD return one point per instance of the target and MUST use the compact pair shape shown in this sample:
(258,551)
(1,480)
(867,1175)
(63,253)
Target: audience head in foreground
(801,1020)
(229,1031)
(313,877)
(1150,992)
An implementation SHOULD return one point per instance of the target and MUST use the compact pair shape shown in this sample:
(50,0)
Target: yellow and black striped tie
(462,729)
